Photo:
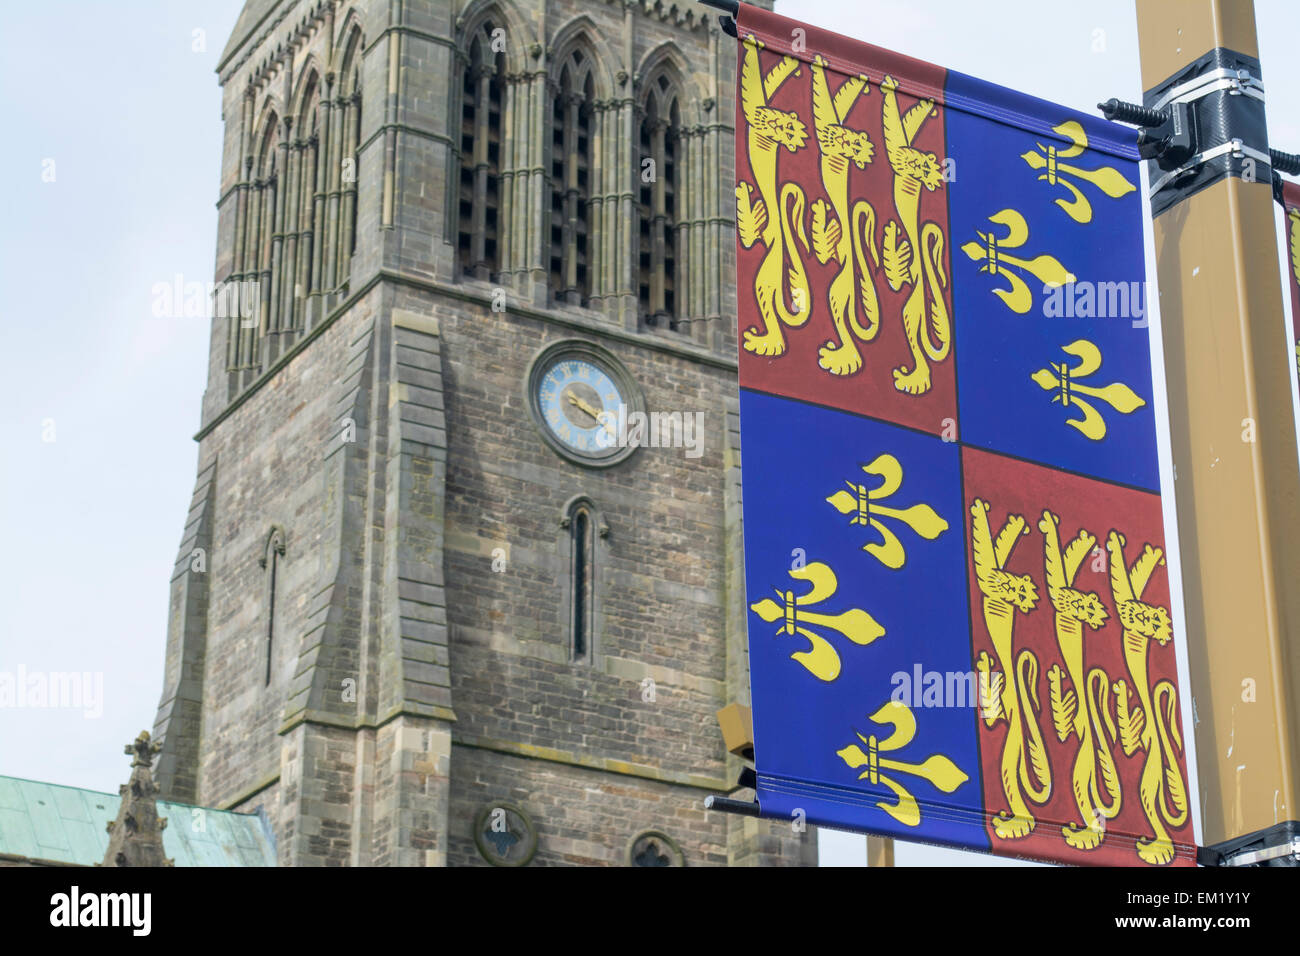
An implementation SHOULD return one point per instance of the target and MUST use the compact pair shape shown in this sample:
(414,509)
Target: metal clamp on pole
(1286,854)
(1200,125)
(1277,846)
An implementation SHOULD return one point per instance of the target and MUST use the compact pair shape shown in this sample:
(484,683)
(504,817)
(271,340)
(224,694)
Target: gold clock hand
(575,400)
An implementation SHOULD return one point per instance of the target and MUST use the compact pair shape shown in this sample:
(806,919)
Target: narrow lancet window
(271,564)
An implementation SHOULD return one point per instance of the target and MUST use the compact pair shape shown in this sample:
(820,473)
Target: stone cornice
(478,294)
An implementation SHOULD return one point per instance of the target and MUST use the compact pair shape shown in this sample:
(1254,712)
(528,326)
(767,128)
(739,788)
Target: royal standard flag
(958,605)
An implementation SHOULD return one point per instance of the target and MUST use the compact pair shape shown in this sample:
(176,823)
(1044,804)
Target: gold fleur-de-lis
(937,769)
(1106,178)
(990,248)
(1065,381)
(867,506)
(821,660)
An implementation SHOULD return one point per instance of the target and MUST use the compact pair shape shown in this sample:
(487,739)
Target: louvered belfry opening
(479,194)
(657,205)
(570,170)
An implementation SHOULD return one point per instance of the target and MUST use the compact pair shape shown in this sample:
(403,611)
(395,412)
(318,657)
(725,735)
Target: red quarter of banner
(1100,761)
(807,238)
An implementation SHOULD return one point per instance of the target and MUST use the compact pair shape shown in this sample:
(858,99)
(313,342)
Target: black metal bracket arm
(748,780)
(731,8)
(742,808)
(1288,163)
(1285,162)
(1167,136)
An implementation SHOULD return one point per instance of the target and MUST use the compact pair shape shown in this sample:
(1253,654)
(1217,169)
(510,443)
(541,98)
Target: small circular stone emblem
(654,848)
(504,835)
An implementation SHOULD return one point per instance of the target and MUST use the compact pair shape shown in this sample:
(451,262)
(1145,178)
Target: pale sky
(118,102)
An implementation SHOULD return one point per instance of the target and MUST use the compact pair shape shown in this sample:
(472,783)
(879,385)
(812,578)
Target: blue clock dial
(580,404)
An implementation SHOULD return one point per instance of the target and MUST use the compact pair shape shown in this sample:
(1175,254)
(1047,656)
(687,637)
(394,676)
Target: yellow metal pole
(1234,451)
(880,851)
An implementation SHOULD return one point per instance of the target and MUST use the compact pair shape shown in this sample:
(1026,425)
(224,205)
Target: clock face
(579,403)
(579,394)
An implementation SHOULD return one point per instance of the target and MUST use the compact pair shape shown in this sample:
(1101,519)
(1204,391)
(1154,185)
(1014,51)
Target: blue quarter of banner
(1050,298)
(861,524)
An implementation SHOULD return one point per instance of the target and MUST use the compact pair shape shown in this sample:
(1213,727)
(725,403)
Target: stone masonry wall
(465,689)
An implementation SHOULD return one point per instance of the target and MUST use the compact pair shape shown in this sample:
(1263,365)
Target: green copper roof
(67,825)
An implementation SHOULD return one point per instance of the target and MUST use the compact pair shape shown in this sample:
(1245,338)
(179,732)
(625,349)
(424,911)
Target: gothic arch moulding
(266,138)
(347,19)
(274,544)
(310,83)
(581,34)
(349,47)
(520,35)
(667,58)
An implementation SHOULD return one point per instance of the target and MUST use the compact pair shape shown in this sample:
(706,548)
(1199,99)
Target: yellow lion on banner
(842,232)
(769,220)
(913,255)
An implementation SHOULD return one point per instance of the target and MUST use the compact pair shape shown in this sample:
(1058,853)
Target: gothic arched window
(657,286)
(482,96)
(300,222)
(244,359)
(571,162)
(266,183)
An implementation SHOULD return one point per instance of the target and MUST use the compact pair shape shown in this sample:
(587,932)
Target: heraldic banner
(958,602)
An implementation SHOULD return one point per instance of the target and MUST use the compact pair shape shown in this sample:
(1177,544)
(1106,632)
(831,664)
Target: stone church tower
(430,608)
